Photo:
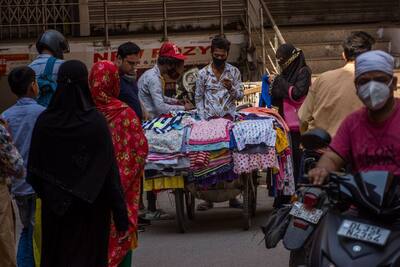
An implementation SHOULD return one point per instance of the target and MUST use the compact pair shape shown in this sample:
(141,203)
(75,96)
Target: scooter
(308,209)
(361,226)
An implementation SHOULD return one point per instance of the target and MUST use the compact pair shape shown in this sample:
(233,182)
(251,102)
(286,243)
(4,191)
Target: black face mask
(173,74)
(218,62)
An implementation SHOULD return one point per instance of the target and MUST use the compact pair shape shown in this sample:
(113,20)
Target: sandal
(158,215)
(205,206)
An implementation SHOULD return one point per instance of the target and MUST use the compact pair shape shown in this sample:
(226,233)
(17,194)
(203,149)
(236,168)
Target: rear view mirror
(315,139)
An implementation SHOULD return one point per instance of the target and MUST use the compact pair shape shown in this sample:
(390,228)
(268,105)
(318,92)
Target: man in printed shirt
(21,119)
(219,84)
(218,88)
(11,165)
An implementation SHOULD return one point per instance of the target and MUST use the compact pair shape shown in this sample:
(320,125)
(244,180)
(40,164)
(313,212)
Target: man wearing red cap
(170,63)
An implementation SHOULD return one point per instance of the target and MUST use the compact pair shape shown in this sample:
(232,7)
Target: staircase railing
(258,36)
(259,33)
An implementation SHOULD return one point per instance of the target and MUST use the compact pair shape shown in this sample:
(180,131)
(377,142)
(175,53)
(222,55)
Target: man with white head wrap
(368,139)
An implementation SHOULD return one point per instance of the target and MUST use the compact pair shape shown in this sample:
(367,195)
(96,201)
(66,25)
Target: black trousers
(297,154)
(151,201)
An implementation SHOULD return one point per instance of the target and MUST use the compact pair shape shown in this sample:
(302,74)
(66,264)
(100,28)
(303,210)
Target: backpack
(47,86)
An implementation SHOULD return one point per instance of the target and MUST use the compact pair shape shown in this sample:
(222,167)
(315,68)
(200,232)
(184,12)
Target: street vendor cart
(218,159)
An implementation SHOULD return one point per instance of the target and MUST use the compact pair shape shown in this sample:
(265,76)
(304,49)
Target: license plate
(364,232)
(310,215)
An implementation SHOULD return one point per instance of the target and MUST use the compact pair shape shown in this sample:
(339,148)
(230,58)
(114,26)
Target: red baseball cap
(169,49)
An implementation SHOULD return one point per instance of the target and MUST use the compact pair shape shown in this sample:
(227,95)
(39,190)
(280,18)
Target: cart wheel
(247,202)
(190,205)
(180,210)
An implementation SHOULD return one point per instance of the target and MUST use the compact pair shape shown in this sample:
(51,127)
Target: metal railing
(26,19)
(166,18)
(258,33)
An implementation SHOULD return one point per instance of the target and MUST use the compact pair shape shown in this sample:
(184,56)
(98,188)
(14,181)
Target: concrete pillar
(84,17)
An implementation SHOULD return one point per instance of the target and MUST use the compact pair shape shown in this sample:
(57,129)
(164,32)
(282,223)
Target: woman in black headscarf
(73,170)
(294,79)
(288,90)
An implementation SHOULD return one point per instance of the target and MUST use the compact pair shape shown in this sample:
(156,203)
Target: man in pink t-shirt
(368,139)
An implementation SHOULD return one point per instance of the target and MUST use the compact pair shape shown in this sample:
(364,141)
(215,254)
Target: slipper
(158,215)
(205,206)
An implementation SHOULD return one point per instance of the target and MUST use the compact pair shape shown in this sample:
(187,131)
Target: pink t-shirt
(370,146)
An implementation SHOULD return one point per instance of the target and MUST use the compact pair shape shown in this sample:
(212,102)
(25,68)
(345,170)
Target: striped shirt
(163,125)
(39,64)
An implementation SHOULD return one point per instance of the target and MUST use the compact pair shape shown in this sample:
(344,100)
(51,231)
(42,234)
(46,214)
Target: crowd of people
(73,150)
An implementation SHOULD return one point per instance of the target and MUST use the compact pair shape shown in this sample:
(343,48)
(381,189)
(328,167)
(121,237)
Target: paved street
(215,238)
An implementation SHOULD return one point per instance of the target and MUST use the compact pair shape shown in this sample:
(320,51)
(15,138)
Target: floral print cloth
(246,163)
(130,146)
(210,132)
(11,162)
(254,132)
(169,142)
(212,98)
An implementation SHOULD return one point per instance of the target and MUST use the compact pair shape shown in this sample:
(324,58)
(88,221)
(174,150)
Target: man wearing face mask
(219,85)
(369,138)
(218,88)
(170,63)
(127,59)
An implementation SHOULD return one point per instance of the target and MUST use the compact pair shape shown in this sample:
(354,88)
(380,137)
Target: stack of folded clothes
(209,154)
(167,161)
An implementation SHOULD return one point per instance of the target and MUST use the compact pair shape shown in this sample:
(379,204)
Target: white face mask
(374,94)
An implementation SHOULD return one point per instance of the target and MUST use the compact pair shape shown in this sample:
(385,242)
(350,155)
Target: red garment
(199,160)
(130,147)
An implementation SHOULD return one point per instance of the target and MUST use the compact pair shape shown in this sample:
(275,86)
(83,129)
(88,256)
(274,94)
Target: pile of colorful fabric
(262,143)
(167,161)
(209,153)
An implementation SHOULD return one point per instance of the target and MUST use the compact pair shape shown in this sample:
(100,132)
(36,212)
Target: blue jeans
(26,208)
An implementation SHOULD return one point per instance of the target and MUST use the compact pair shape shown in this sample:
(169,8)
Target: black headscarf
(294,72)
(71,152)
(292,61)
